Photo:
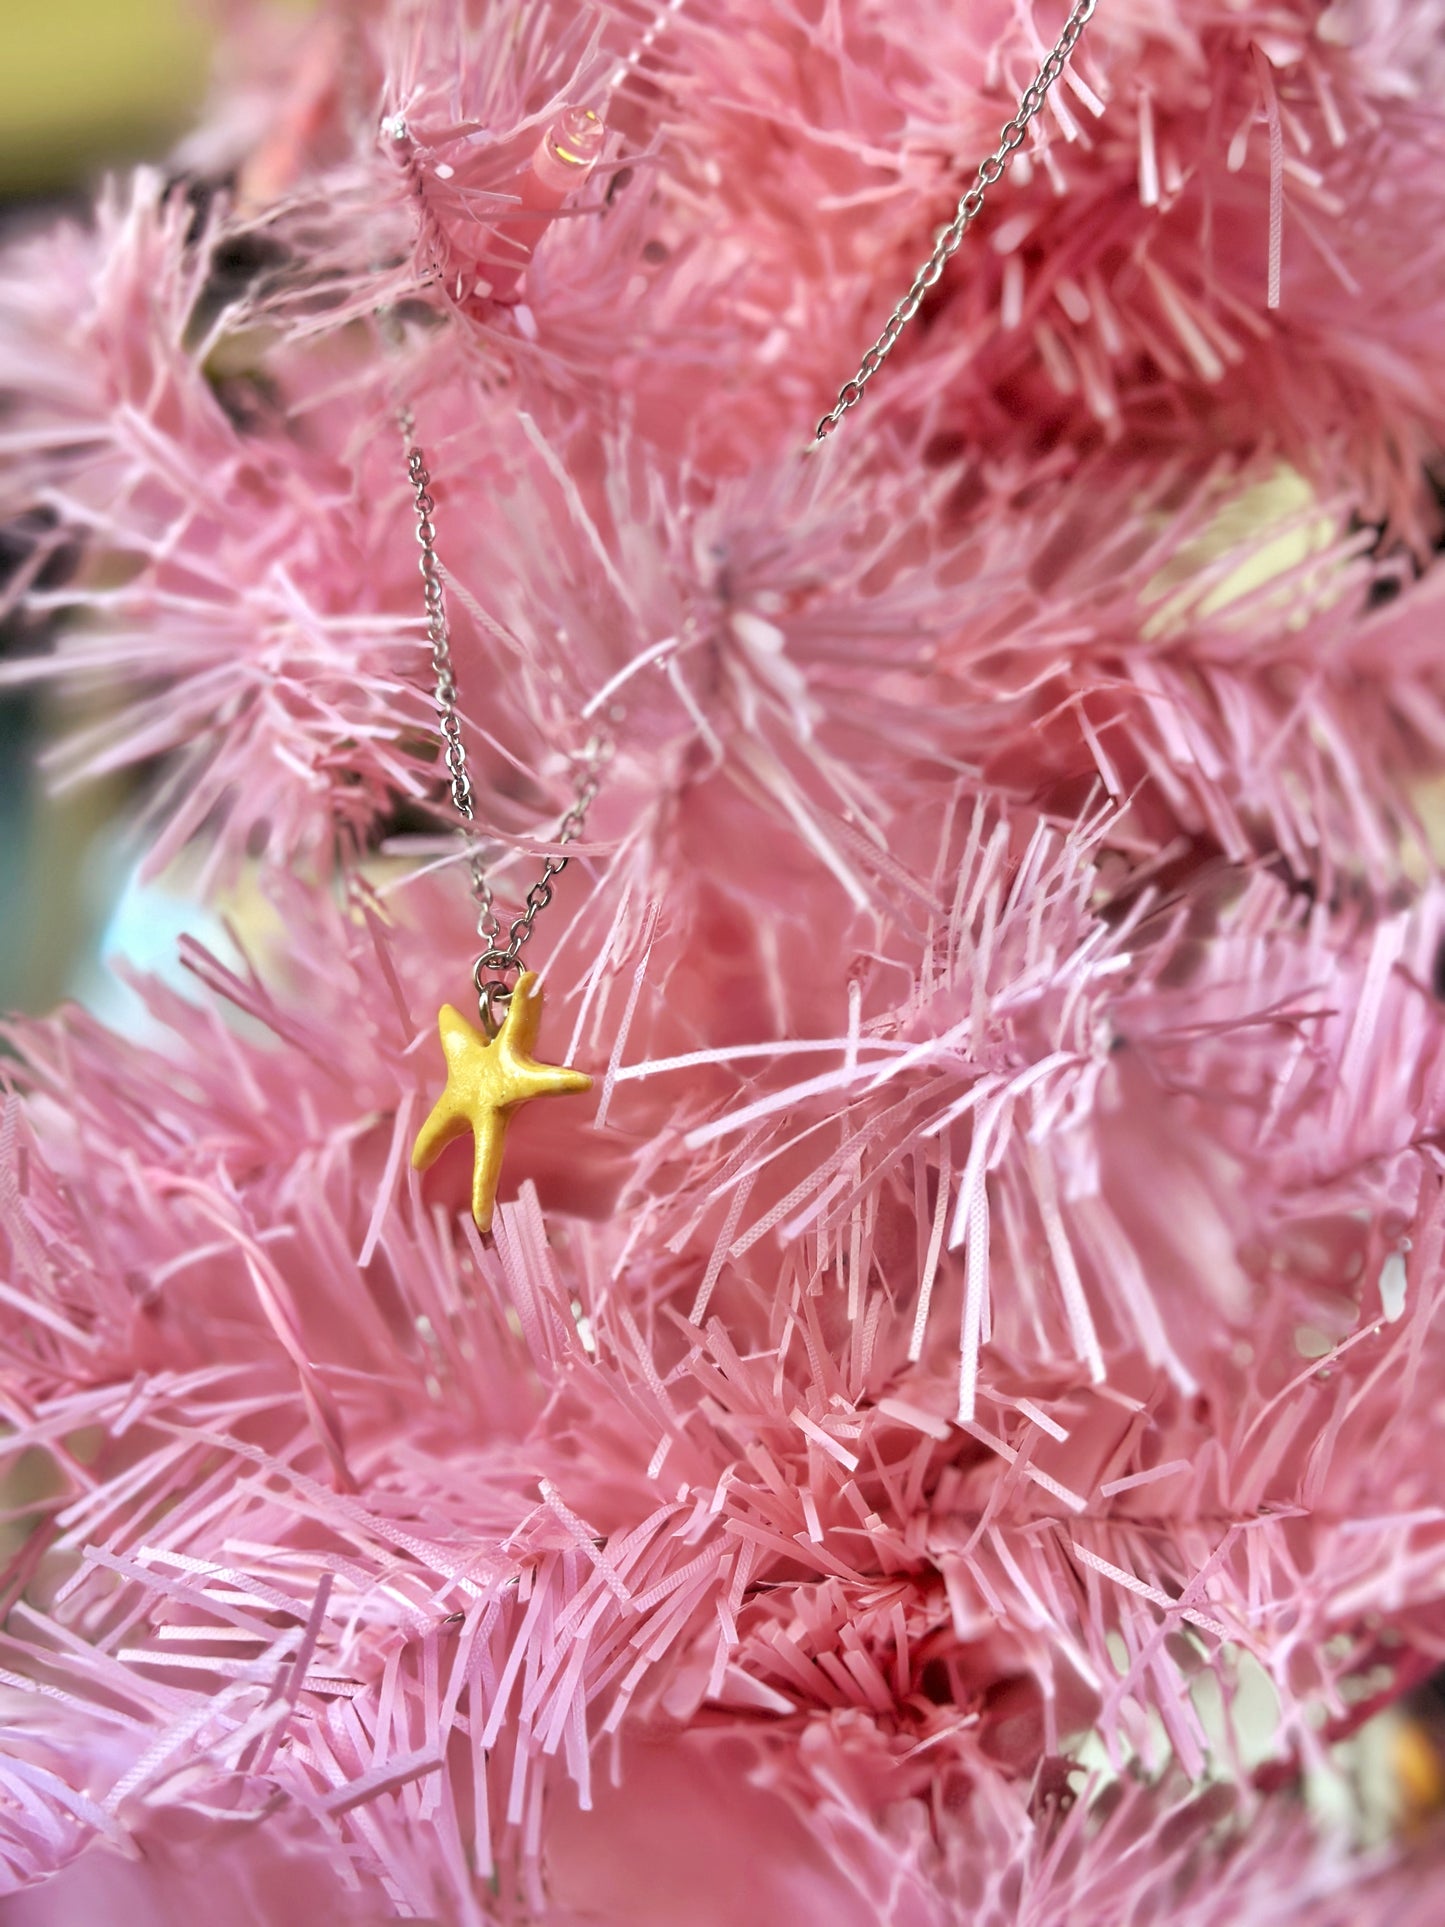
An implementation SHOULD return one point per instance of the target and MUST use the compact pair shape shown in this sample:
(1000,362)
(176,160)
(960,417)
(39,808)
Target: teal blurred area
(17,734)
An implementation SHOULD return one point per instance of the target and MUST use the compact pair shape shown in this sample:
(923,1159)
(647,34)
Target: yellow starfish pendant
(487,1078)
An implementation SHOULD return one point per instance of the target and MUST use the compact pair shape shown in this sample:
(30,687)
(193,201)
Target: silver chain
(951,238)
(501,955)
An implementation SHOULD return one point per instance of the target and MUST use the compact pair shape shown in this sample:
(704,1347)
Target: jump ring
(489,995)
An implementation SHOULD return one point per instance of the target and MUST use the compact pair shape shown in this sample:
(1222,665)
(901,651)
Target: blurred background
(84,85)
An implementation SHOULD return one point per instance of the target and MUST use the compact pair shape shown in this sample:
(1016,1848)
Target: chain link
(950,239)
(500,956)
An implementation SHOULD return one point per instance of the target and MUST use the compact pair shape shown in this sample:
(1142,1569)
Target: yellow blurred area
(86,82)
(1419,1770)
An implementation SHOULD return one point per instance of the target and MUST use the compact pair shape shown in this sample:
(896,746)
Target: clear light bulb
(569,150)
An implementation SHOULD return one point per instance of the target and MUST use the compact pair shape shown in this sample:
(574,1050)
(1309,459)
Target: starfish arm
(444,1124)
(547,1080)
(459,1038)
(524,1017)
(491,1133)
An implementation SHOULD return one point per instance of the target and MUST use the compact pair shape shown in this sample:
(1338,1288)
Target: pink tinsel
(948,1434)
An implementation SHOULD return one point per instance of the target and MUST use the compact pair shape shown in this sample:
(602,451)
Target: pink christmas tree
(948,1431)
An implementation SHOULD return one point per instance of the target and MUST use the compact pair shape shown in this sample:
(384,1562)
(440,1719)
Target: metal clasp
(493,993)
